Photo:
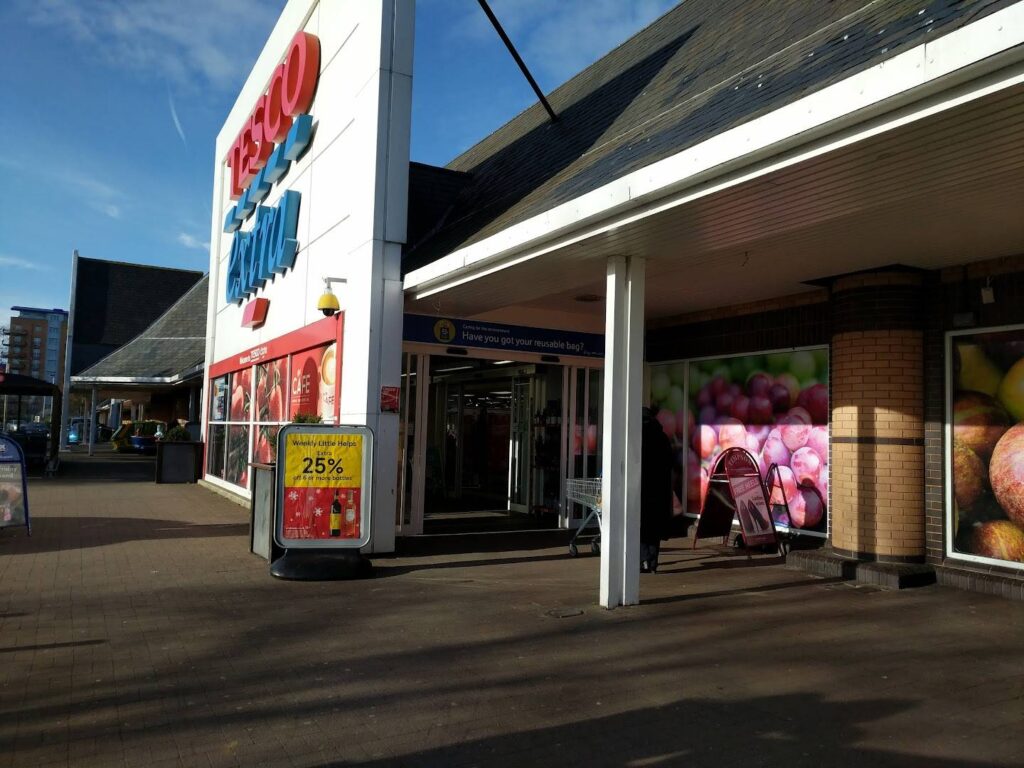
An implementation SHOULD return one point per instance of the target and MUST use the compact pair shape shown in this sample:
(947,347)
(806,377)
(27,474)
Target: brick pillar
(877,431)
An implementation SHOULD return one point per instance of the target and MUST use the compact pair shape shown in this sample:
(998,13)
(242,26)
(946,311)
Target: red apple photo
(970,479)
(1006,473)
(806,465)
(979,422)
(732,434)
(1000,539)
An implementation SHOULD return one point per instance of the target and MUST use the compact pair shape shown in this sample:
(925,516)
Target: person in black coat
(655,490)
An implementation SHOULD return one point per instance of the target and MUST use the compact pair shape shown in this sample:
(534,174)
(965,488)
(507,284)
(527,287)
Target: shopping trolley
(586,492)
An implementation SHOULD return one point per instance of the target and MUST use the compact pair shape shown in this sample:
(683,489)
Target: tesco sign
(276,133)
(290,94)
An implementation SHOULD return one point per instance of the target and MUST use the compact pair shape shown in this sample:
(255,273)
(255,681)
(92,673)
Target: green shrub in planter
(307,418)
(177,435)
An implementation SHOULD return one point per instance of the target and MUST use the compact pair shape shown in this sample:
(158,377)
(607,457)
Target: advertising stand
(735,489)
(13,486)
(322,501)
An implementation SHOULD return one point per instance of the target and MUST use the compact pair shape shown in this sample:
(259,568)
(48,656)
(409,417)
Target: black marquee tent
(39,446)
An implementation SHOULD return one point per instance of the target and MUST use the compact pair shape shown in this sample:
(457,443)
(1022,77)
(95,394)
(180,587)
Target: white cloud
(190,42)
(189,241)
(558,40)
(111,210)
(177,122)
(16,263)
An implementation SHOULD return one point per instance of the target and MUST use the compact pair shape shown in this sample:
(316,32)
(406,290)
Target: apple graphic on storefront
(789,381)
(806,509)
(788,486)
(799,414)
(999,539)
(1006,473)
(732,434)
(779,395)
(817,404)
(774,451)
(978,422)
(817,440)
(806,465)
(969,477)
(759,384)
(760,410)
(794,433)
(741,408)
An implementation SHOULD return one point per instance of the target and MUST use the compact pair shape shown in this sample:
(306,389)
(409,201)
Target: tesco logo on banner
(276,134)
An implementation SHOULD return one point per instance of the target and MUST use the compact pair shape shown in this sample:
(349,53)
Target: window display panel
(218,398)
(271,399)
(985,451)
(314,386)
(215,451)
(241,395)
(236,469)
(775,405)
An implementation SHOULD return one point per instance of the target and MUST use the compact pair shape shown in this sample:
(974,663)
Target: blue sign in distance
(13,486)
(510,338)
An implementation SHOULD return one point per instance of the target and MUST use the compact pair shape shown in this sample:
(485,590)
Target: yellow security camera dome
(328,303)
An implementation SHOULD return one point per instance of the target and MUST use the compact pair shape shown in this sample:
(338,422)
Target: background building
(35,344)
(112,303)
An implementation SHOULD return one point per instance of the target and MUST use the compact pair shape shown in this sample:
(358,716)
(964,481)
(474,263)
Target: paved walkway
(136,629)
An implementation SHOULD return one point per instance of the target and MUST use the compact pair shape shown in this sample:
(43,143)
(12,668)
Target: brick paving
(137,630)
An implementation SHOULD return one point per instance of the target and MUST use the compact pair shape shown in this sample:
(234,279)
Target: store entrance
(488,461)
(487,444)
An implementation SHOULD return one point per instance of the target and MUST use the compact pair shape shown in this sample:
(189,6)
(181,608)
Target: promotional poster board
(775,405)
(985,446)
(323,486)
(13,486)
(736,491)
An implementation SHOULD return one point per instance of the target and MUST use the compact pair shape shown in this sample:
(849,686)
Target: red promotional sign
(389,399)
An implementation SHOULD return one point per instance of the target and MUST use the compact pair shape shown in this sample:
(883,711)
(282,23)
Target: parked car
(78,432)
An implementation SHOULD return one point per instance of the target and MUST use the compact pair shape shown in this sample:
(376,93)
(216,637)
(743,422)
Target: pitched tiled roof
(704,67)
(175,344)
(114,302)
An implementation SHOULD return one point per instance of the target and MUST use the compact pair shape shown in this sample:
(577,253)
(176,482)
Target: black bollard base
(310,565)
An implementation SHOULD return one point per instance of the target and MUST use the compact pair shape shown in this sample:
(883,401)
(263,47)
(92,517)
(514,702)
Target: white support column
(620,469)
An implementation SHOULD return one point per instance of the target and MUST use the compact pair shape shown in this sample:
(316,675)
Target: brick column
(877,431)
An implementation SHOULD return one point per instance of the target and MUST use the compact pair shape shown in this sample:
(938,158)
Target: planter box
(178,462)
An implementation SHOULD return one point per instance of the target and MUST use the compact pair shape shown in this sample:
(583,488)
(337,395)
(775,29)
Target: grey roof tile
(172,345)
(704,67)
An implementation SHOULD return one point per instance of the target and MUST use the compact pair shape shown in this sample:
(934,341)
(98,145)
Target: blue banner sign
(454,332)
(13,486)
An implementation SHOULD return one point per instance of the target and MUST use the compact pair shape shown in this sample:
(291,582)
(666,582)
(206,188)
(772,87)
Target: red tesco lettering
(290,93)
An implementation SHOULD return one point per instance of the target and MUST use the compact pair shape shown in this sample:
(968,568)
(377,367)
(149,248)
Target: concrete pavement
(136,629)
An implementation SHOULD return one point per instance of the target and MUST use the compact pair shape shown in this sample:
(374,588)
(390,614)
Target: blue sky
(111,109)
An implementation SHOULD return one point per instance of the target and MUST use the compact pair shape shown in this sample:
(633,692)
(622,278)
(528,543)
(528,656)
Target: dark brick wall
(934,420)
(800,326)
(877,308)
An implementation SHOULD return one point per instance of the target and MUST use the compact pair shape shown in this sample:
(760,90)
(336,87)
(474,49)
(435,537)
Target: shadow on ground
(51,534)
